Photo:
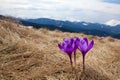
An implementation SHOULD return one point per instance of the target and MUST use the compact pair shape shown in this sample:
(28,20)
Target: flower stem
(75,58)
(71,61)
(83,62)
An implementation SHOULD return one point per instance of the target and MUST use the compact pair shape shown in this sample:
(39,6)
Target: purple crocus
(84,47)
(67,46)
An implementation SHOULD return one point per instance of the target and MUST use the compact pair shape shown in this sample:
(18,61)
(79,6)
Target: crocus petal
(65,40)
(90,45)
(77,41)
(73,44)
(71,39)
(69,49)
(78,44)
(64,45)
(83,46)
(61,47)
(86,40)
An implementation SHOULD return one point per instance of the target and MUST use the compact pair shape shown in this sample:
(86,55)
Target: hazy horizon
(99,11)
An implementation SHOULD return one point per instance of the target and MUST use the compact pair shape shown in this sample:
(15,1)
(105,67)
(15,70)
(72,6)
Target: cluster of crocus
(71,45)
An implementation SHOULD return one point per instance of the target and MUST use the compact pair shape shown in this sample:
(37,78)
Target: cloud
(112,1)
(84,10)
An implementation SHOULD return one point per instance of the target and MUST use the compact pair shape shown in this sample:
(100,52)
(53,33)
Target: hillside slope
(32,54)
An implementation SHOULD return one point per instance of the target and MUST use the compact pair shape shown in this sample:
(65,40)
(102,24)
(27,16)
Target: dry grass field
(33,54)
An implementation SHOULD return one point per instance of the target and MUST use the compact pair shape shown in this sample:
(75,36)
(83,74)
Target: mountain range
(96,29)
(110,28)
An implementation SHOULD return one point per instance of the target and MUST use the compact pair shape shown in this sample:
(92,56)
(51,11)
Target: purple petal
(90,45)
(71,41)
(86,40)
(69,49)
(61,47)
(73,46)
(64,45)
(83,45)
(72,38)
(65,40)
(77,41)
(67,46)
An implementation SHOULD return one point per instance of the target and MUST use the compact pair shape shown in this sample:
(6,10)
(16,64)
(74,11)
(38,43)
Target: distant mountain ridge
(68,26)
(96,29)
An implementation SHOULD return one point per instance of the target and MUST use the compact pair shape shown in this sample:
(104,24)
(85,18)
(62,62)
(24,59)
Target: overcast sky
(74,10)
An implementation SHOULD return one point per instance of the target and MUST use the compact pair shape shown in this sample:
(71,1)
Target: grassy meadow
(33,54)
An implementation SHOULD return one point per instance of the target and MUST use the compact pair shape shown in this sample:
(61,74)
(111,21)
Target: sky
(99,11)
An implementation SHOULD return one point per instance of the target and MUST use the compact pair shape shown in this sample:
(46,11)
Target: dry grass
(30,54)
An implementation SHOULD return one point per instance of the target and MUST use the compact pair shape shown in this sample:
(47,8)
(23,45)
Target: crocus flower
(67,46)
(84,47)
